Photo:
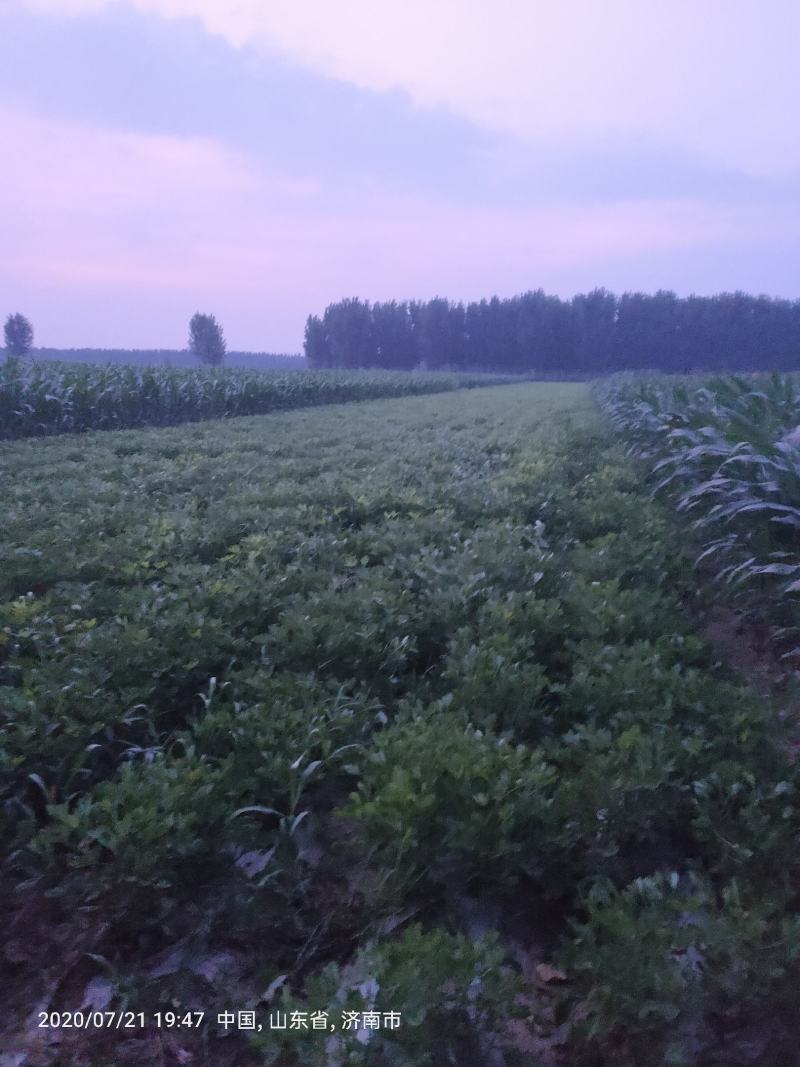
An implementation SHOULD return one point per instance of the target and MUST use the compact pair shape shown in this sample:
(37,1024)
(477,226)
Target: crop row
(41,398)
(727,450)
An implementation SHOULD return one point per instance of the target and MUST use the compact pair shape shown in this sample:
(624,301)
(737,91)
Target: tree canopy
(18,334)
(206,340)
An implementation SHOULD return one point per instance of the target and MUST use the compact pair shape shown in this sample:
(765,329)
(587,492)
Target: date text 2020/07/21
(226,1020)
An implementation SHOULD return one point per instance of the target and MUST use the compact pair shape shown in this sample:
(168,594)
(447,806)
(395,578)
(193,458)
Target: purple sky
(261,158)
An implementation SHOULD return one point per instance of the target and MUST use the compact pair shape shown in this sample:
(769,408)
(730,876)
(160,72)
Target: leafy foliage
(18,335)
(206,340)
(452,989)
(727,450)
(588,335)
(395,708)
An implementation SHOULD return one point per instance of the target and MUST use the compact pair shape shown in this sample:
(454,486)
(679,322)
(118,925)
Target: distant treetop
(18,334)
(206,340)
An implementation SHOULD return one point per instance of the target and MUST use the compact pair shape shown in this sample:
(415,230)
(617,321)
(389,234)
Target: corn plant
(727,450)
(41,398)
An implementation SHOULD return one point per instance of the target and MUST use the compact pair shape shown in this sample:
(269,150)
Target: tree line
(589,334)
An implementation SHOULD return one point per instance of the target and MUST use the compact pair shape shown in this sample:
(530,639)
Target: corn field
(727,449)
(43,398)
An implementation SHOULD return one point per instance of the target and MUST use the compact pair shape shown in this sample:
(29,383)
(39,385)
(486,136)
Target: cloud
(104,208)
(99,208)
(718,78)
(90,170)
(101,181)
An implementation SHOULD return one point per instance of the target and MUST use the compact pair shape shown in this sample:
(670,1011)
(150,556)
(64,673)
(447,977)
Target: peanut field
(390,707)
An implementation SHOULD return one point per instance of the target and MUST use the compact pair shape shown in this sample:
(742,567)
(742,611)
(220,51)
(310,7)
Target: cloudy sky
(262,158)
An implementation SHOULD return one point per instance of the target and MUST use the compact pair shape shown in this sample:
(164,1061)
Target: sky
(259,159)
